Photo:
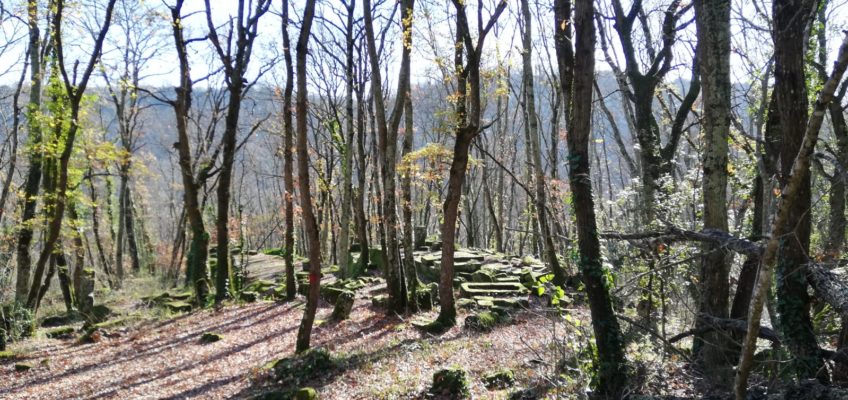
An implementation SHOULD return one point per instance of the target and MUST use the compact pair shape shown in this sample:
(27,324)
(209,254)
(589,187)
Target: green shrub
(16,322)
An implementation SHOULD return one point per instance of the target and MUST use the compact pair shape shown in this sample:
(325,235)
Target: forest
(401,199)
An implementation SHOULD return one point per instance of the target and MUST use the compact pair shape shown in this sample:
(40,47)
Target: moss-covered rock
(260,286)
(59,333)
(465,303)
(424,298)
(306,393)
(482,276)
(249,296)
(331,293)
(60,320)
(501,379)
(513,303)
(303,367)
(23,367)
(482,321)
(451,382)
(211,337)
(344,303)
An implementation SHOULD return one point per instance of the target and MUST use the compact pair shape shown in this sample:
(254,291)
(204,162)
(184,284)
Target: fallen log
(725,324)
(674,234)
(829,288)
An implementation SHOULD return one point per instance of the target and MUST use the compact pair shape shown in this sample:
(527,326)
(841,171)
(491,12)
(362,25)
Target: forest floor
(386,356)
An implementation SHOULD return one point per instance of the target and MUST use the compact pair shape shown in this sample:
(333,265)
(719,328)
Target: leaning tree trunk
(794,184)
(610,360)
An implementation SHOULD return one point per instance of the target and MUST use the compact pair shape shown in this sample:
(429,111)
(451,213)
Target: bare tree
(235,57)
(387,132)
(468,119)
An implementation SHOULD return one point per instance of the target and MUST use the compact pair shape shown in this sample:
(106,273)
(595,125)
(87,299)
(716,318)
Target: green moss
(451,382)
(306,393)
(277,251)
(210,337)
(7,355)
(499,379)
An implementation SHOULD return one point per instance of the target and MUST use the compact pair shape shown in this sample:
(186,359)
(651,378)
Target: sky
(748,57)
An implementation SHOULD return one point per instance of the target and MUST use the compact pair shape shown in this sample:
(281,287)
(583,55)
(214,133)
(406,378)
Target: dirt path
(261,266)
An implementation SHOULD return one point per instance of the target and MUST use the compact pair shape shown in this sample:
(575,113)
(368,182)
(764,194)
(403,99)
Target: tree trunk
(235,56)
(536,148)
(791,24)
(359,196)
(33,179)
(304,333)
(712,19)
(122,226)
(612,378)
(468,125)
(223,270)
(197,270)
(129,220)
(95,229)
(406,201)
(343,250)
(288,149)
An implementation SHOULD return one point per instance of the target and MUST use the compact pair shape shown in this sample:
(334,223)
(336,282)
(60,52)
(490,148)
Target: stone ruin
(485,279)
